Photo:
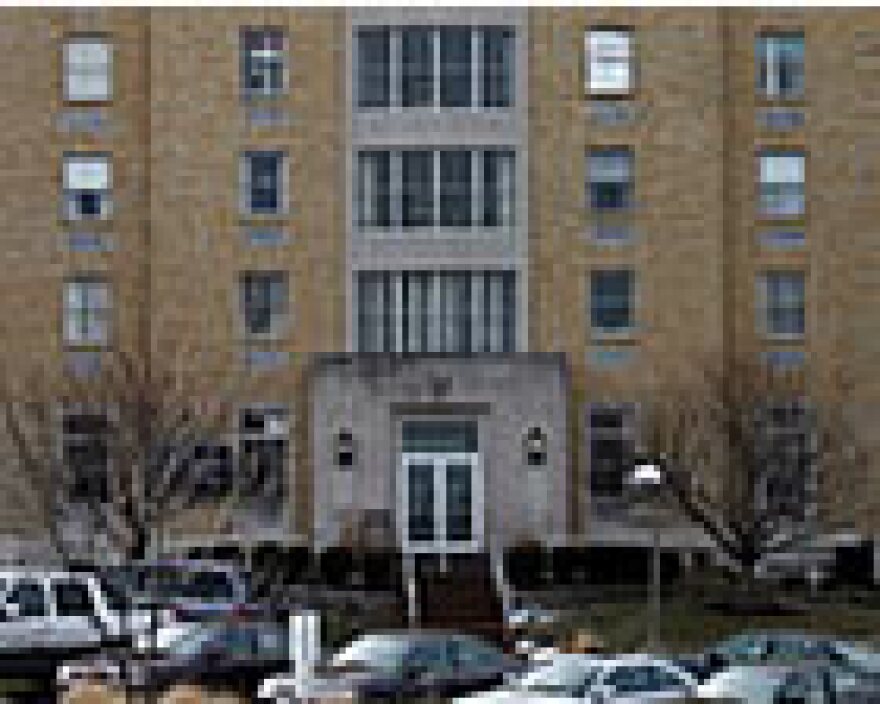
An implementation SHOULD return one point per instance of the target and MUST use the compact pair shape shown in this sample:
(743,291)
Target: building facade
(450,256)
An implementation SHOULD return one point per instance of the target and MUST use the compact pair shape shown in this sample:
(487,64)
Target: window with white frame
(609,54)
(448,188)
(85,443)
(457,66)
(611,437)
(263,302)
(783,305)
(88,69)
(86,311)
(263,182)
(425,311)
(87,180)
(782,183)
(612,301)
(263,62)
(262,452)
(780,65)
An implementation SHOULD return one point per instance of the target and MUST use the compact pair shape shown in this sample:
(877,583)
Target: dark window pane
(611,305)
(497,67)
(455,188)
(373,61)
(418,188)
(610,179)
(29,599)
(263,62)
(73,599)
(374,189)
(498,188)
(264,182)
(417,69)
(455,66)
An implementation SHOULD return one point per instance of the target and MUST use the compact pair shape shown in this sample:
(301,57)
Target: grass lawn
(685,625)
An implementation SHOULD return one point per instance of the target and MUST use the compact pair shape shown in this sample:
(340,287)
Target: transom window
(780,65)
(86,311)
(263,302)
(263,182)
(612,304)
(87,183)
(264,62)
(422,66)
(88,67)
(609,53)
(423,311)
(450,188)
(781,191)
(782,298)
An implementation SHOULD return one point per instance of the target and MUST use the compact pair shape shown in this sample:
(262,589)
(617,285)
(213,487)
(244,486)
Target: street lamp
(646,480)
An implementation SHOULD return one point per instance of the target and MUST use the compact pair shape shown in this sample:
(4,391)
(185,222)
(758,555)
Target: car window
(433,656)
(642,678)
(72,598)
(29,597)
(475,654)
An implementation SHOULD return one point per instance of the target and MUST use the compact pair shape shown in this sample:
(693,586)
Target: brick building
(451,254)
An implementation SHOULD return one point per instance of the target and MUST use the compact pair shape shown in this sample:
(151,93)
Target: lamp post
(648,477)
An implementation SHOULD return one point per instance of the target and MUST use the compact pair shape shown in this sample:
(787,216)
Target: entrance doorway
(440,488)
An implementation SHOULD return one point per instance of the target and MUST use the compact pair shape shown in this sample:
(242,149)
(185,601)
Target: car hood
(512,695)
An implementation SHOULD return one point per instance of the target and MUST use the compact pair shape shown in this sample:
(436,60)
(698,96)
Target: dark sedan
(229,656)
(391,665)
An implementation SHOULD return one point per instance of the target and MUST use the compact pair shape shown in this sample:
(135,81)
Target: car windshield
(169,583)
(116,596)
(258,640)
(565,677)
(372,653)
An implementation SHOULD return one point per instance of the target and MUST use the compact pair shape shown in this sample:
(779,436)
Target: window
(781,294)
(86,311)
(449,67)
(781,184)
(610,179)
(780,59)
(450,188)
(263,302)
(87,69)
(87,179)
(612,294)
(536,447)
(27,599)
(73,599)
(423,311)
(262,452)
(609,53)
(264,62)
(373,68)
(789,458)
(263,183)
(611,448)
(85,454)
(645,678)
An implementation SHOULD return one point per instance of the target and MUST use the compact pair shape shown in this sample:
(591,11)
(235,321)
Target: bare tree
(761,468)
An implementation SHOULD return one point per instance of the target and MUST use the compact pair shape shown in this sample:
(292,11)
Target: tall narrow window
(610,179)
(496,78)
(612,300)
(781,294)
(263,183)
(87,181)
(780,65)
(609,61)
(263,62)
(86,311)
(263,302)
(262,454)
(781,192)
(498,188)
(417,188)
(455,188)
(417,67)
(88,69)
(374,189)
(787,450)
(85,447)
(373,68)
(455,66)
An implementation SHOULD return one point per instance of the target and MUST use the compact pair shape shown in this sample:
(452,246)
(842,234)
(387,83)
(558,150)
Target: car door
(76,620)
(634,684)
(26,615)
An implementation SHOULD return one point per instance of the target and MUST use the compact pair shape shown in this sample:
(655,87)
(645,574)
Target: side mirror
(11,611)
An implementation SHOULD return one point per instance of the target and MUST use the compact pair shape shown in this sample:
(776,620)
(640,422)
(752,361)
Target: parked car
(828,684)
(628,679)
(385,665)
(745,684)
(184,594)
(229,655)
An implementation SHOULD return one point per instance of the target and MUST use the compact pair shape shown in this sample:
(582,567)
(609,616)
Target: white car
(745,683)
(629,679)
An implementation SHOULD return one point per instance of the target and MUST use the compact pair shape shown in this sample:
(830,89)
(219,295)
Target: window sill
(70,104)
(787,338)
(247,219)
(628,96)
(101,224)
(617,337)
(763,101)
(791,220)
